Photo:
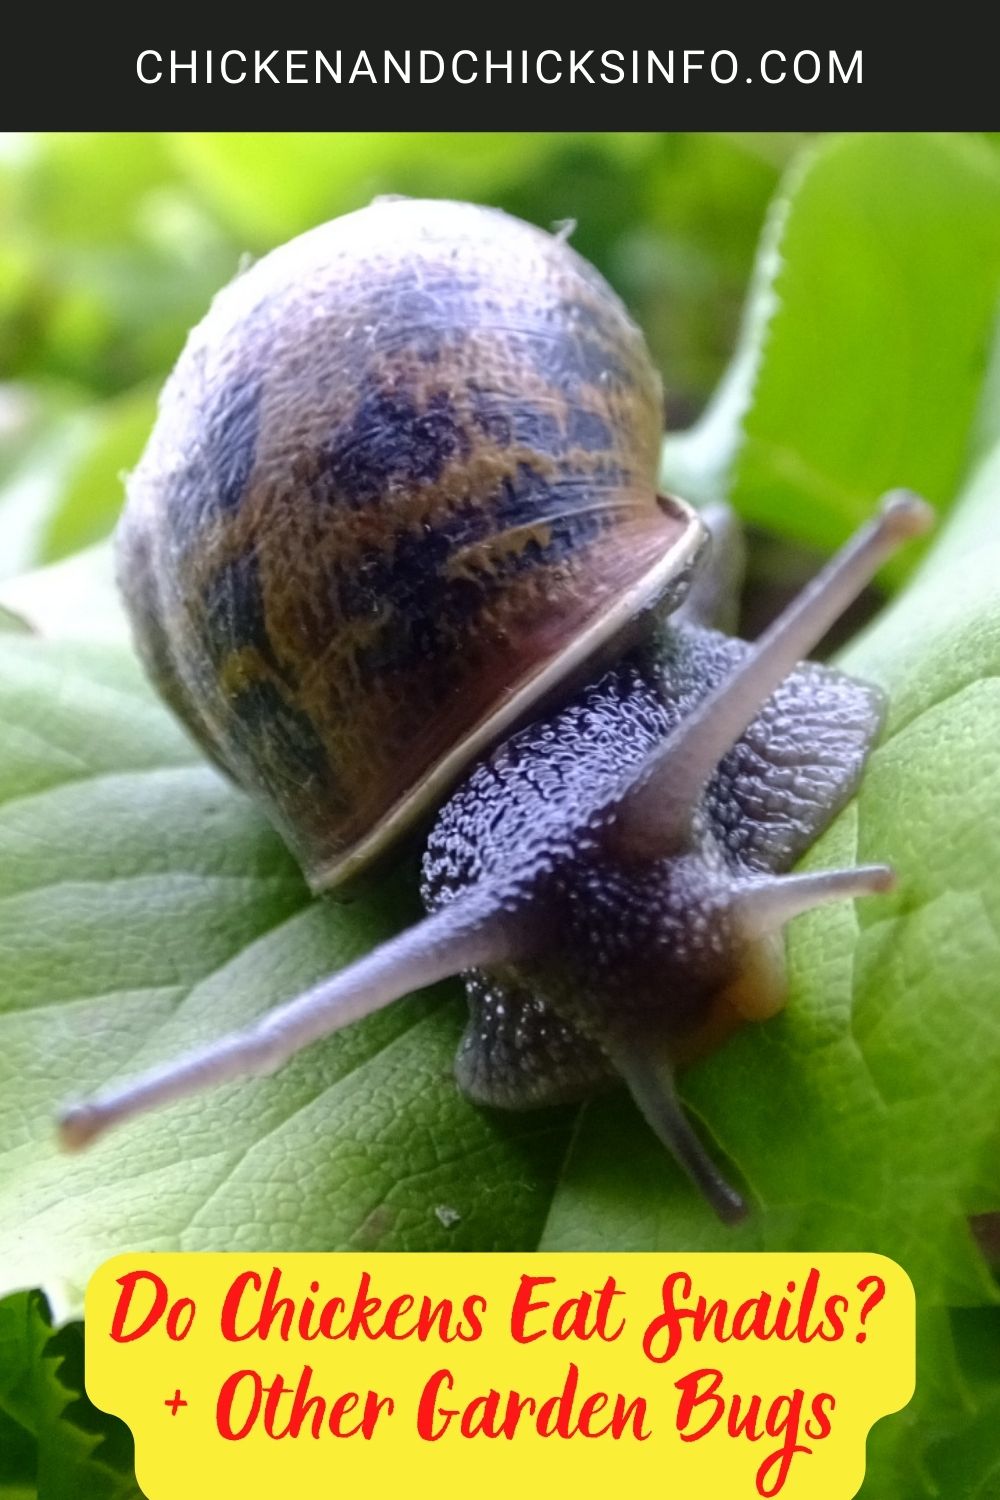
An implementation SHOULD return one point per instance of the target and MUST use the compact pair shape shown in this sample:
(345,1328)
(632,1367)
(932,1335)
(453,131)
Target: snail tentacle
(459,936)
(656,812)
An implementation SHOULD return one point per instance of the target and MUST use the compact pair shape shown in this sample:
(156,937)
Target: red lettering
(750,1320)
(365,1307)
(179,1319)
(180,1314)
(555,1414)
(328,1315)
(302,1406)
(365,1318)
(573,1317)
(819,1407)
(395,1312)
(585,1316)
(585,1424)
(482,1415)
(692,1398)
(224,1405)
(272,1307)
(570,1320)
(128,1283)
(231,1306)
(472,1307)
(608,1292)
(776,1424)
(806,1307)
(668,1321)
(757,1317)
(283,1418)
(778,1464)
(746,1426)
(523,1306)
(496,1414)
(834,1307)
(701,1402)
(427,1411)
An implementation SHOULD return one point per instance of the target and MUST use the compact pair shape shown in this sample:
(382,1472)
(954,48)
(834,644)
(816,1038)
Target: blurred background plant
(111,246)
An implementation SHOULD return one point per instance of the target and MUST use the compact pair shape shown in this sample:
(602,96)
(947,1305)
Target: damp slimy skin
(649,948)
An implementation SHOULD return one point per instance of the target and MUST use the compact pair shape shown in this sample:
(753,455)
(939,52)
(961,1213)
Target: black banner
(806,72)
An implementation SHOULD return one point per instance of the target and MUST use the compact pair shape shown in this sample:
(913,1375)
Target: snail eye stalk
(463,935)
(764,906)
(656,812)
(651,1086)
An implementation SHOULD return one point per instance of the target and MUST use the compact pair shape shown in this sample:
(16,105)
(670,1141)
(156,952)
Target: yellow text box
(317,1375)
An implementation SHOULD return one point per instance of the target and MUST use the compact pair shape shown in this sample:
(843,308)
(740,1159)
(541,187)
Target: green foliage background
(143,904)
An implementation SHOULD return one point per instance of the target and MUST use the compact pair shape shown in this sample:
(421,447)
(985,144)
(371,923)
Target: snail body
(398,525)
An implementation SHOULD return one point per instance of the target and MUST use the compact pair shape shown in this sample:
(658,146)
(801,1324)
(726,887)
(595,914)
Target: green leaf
(85,186)
(75,599)
(145,907)
(107,259)
(10,620)
(92,495)
(967,1465)
(866,340)
(67,489)
(311,176)
(46,1450)
(31,489)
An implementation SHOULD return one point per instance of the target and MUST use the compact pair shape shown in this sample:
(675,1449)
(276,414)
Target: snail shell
(402,484)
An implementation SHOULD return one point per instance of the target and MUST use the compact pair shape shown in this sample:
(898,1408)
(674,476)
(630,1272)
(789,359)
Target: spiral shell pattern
(401,485)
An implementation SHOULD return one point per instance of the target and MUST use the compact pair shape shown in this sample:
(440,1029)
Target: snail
(395,555)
